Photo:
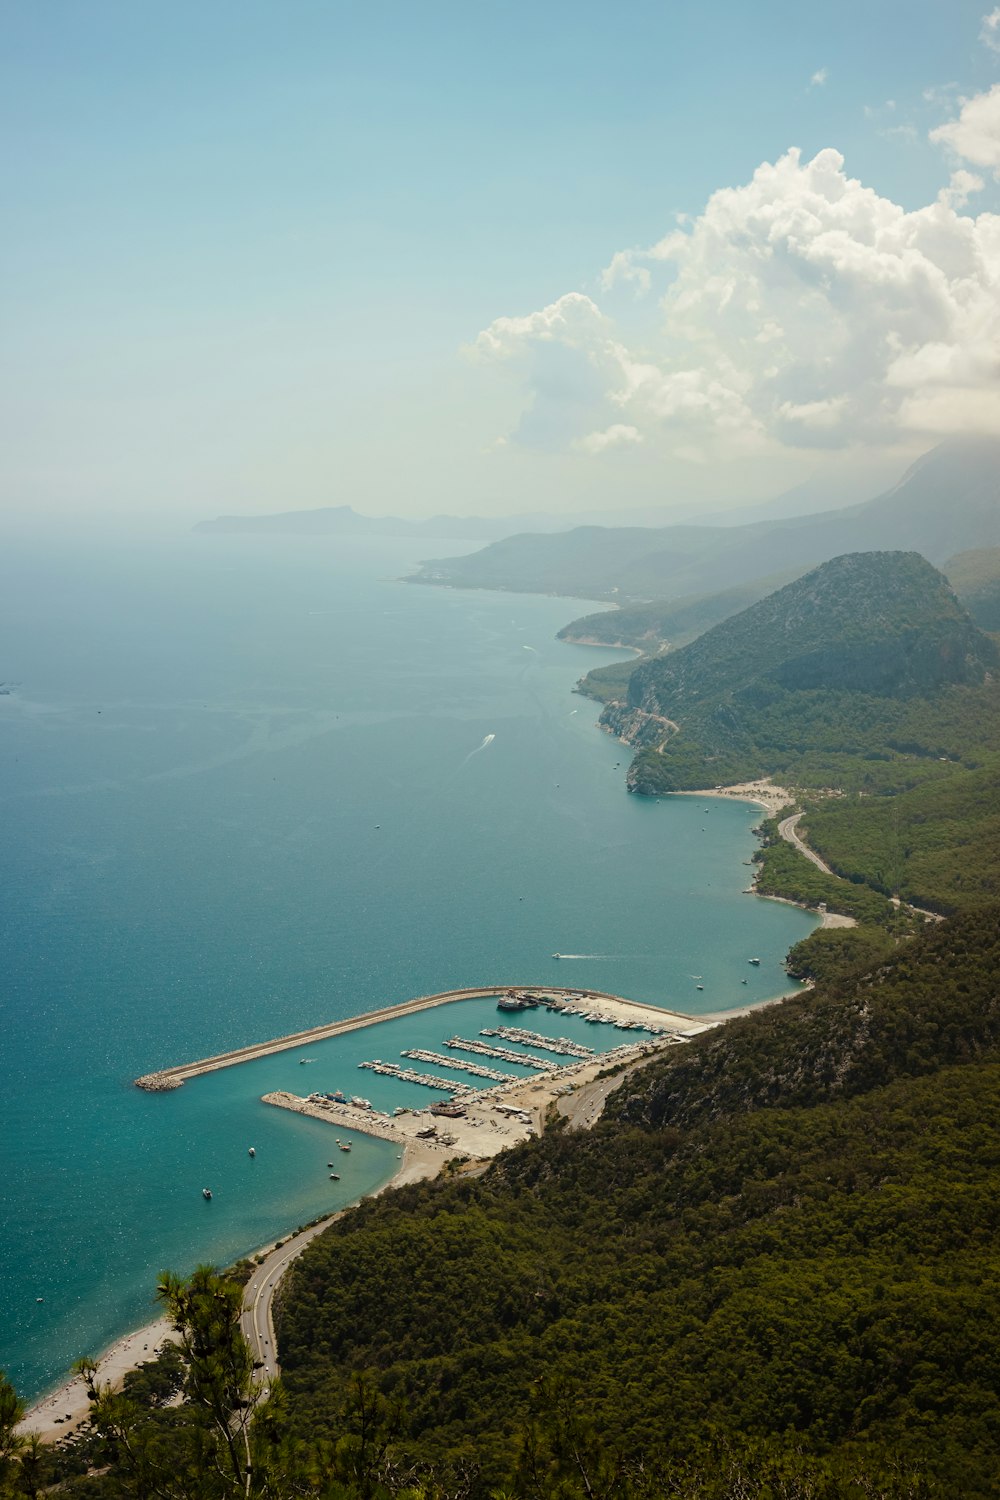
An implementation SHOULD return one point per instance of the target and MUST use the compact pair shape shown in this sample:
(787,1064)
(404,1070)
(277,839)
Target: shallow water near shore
(248,787)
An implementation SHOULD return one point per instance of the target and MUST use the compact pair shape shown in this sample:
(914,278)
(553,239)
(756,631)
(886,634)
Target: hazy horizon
(485,261)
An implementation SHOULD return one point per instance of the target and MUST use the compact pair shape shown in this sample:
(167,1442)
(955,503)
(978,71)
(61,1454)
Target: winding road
(256,1320)
(787,829)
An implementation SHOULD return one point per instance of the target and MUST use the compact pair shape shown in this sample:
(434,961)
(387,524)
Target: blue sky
(254,251)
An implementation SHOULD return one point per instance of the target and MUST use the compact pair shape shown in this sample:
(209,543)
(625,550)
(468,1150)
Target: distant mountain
(803,668)
(975,577)
(947,502)
(343,520)
(673,622)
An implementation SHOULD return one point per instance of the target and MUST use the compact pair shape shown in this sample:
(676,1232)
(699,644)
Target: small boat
(344,1145)
(744,981)
(39,1299)
(251,1152)
(334,1176)
(206,1192)
(699,986)
(557,955)
(755,962)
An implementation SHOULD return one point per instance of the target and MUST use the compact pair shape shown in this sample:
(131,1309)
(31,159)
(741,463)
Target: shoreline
(58,1414)
(763,792)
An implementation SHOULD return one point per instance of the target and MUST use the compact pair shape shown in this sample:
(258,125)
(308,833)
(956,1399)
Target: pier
(410,1075)
(504,1054)
(652,1017)
(561,1044)
(436,1060)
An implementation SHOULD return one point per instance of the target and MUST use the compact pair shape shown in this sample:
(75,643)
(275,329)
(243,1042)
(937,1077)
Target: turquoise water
(245,790)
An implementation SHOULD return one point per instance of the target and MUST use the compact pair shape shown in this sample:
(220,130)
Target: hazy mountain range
(946,503)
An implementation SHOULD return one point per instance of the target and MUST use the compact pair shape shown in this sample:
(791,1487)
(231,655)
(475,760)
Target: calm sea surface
(247,787)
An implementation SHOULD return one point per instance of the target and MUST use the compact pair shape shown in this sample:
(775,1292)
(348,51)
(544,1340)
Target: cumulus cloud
(975,135)
(800,309)
(617,435)
(960,189)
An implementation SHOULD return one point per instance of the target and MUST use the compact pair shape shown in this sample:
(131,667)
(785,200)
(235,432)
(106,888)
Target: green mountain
(671,622)
(865,686)
(975,577)
(948,502)
(882,624)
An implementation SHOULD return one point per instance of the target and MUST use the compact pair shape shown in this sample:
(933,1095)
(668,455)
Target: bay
(254,784)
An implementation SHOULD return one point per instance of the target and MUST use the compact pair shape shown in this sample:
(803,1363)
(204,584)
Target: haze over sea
(247,788)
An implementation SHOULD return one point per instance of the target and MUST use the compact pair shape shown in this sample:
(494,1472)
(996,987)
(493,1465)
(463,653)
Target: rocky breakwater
(158,1083)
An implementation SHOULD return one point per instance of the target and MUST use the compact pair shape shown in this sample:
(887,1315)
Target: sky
(486,258)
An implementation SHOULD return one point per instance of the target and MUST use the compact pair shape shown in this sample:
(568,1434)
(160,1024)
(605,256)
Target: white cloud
(960,188)
(819,78)
(616,436)
(800,309)
(989,33)
(975,135)
(571,320)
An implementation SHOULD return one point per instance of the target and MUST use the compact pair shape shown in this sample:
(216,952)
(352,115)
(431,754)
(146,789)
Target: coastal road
(787,829)
(256,1319)
(584,1107)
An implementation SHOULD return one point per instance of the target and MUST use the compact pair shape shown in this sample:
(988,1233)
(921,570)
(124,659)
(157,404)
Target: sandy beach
(764,792)
(68,1408)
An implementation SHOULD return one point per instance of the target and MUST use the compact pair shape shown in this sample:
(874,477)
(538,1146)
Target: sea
(252,784)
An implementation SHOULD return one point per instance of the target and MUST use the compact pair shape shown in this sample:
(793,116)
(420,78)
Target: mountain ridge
(947,502)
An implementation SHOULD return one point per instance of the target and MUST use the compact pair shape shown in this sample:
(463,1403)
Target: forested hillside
(864,686)
(771,1258)
(975,577)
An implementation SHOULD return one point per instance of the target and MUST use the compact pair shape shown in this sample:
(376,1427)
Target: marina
(651,1017)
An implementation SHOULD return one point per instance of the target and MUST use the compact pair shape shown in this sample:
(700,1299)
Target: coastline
(486,1131)
(64,1411)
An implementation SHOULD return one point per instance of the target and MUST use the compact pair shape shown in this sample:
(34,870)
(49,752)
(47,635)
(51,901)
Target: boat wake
(487,741)
(592,955)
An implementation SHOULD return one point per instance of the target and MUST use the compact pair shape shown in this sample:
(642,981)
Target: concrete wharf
(505,1054)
